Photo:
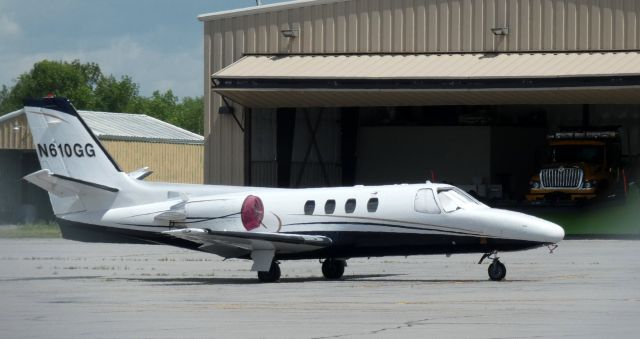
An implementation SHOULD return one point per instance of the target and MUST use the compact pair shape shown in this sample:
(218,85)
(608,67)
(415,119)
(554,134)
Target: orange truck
(581,165)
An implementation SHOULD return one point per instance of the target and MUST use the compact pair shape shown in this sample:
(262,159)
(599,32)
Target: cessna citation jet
(95,201)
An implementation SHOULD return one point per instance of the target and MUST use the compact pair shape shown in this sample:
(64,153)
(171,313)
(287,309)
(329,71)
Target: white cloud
(9,29)
(153,69)
(180,71)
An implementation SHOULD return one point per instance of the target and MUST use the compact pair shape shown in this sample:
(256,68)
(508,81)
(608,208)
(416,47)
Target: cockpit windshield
(453,199)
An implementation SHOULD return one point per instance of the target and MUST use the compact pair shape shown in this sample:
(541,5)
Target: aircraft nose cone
(556,232)
(552,233)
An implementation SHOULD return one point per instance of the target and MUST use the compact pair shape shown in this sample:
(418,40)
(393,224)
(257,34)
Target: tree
(73,80)
(190,115)
(185,113)
(89,89)
(4,94)
(113,95)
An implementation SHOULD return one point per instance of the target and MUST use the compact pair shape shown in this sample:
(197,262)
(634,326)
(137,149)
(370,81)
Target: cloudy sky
(157,42)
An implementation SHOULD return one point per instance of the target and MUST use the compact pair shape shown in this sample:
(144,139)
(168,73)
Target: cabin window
(425,202)
(372,205)
(330,206)
(350,206)
(309,207)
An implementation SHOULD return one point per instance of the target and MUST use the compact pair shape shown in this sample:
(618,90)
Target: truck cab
(581,165)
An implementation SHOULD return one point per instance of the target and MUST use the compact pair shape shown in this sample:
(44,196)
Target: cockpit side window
(425,202)
(448,201)
(452,199)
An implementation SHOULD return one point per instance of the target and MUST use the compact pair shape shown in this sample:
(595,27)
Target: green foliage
(37,230)
(185,113)
(113,95)
(89,89)
(73,80)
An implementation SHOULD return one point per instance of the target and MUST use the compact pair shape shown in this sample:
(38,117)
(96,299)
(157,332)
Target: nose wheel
(497,271)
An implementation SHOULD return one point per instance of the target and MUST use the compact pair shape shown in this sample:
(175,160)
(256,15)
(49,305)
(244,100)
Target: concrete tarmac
(64,289)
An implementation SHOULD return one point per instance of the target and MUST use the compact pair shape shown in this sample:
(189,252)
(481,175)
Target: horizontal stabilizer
(63,186)
(140,173)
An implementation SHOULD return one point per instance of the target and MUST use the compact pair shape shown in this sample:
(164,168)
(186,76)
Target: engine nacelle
(252,212)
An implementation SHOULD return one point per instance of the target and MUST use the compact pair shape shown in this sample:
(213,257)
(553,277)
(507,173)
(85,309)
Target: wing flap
(251,241)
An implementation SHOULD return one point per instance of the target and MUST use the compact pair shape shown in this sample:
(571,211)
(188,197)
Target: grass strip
(36,230)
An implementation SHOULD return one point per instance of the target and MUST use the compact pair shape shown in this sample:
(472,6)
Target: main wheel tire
(333,269)
(272,275)
(497,271)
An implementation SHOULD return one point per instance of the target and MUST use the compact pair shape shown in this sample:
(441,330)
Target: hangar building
(134,141)
(342,92)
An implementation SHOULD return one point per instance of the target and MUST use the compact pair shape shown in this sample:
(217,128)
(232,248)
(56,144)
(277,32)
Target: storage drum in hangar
(134,140)
(316,93)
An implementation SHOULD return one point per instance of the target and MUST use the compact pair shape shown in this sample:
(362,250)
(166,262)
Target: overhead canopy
(431,79)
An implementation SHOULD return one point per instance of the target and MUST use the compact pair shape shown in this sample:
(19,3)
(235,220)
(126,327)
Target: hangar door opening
(302,147)
(493,151)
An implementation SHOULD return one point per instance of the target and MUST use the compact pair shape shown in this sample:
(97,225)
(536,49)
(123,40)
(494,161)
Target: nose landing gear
(497,271)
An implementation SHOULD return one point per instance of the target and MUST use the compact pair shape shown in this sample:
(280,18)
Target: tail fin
(67,148)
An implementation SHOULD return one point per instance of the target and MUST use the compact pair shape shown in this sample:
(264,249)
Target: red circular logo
(252,212)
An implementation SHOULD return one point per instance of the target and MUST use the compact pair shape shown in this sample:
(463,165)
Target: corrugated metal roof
(10,116)
(434,66)
(127,126)
(138,127)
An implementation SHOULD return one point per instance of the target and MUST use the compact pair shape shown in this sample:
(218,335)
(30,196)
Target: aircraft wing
(261,246)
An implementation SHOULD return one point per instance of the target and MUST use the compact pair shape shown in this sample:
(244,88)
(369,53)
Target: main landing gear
(333,269)
(497,271)
(272,275)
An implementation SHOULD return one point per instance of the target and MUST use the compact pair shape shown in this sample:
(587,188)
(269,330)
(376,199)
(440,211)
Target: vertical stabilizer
(67,147)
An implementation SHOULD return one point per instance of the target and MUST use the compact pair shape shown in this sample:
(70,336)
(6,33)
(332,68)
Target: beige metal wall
(15,134)
(398,26)
(179,163)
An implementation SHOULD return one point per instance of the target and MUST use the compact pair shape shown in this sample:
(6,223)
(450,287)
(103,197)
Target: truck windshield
(588,154)
(453,199)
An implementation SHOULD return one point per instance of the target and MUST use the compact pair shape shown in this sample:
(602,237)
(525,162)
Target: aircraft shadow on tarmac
(186,281)
(382,278)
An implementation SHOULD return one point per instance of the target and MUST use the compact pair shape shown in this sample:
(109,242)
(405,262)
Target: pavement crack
(406,324)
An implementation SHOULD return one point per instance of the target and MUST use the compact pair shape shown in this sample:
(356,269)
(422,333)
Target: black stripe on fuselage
(363,219)
(387,225)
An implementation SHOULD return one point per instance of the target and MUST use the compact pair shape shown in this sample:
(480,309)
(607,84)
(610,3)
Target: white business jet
(95,201)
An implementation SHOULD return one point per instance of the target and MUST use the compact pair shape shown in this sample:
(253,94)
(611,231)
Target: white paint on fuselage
(217,207)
